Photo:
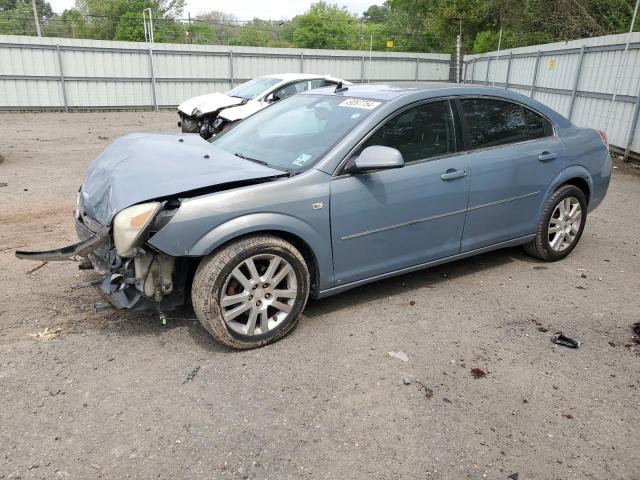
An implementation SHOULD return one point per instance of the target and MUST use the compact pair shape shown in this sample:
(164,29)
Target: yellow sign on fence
(551,63)
(389,43)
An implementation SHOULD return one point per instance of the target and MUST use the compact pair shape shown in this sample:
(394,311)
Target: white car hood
(208,103)
(242,111)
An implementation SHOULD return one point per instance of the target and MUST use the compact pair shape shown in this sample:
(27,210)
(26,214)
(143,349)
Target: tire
(189,124)
(216,279)
(542,246)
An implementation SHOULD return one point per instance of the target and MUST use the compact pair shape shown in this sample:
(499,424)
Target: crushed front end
(136,277)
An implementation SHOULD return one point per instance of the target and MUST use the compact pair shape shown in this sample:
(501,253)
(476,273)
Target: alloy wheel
(564,224)
(258,294)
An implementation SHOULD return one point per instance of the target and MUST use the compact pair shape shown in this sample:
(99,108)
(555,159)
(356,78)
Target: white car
(215,112)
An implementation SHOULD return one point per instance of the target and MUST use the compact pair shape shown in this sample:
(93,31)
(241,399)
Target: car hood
(242,111)
(208,103)
(141,167)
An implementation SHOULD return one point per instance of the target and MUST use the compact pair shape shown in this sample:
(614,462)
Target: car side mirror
(270,98)
(375,157)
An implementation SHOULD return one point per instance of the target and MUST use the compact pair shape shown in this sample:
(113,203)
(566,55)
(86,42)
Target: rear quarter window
(538,126)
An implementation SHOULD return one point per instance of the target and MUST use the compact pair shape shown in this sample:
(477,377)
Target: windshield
(251,89)
(295,133)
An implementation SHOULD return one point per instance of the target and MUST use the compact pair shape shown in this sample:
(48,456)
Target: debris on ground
(636,328)
(29,272)
(407,380)
(543,329)
(86,284)
(560,338)
(428,393)
(102,137)
(613,344)
(46,334)
(478,373)
(568,416)
(399,355)
(4,184)
(583,275)
(412,303)
(514,476)
(540,267)
(191,375)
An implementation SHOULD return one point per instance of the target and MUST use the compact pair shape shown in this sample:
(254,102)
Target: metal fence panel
(576,78)
(38,73)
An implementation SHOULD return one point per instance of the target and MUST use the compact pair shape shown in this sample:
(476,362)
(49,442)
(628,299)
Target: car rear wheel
(562,224)
(251,292)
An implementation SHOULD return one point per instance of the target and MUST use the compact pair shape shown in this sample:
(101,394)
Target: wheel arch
(300,234)
(575,175)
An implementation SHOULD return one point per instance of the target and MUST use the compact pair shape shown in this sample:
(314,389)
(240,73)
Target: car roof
(295,76)
(411,92)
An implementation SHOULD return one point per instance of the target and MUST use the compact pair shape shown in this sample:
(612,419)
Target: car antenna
(340,88)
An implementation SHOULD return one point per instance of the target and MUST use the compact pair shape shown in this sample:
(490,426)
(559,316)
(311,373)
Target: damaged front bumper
(141,283)
(71,252)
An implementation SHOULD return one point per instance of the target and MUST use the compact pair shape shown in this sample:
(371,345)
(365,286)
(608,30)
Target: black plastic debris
(514,476)
(636,328)
(191,375)
(560,338)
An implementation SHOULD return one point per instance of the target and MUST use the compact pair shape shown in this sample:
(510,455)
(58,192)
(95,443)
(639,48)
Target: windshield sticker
(359,103)
(301,160)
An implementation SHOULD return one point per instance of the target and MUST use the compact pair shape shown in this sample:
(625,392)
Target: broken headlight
(130,224)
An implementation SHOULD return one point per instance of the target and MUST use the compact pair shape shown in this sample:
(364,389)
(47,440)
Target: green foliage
(325,26)
(376,13)
(16,16)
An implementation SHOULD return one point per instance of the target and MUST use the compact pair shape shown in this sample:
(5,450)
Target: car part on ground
(329,190)
(213,113)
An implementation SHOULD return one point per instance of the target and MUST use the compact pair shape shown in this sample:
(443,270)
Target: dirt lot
(106,397)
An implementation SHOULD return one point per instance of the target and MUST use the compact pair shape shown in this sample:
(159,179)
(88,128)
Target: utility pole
(35,17)
(497,53)
(370,49)
(622,66)
(190,32)
(458,47)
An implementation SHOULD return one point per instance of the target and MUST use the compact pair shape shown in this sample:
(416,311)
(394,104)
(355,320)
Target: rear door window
(493,122)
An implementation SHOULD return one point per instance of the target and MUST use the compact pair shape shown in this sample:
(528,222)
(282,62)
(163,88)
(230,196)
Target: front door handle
(547,156)
(451,174)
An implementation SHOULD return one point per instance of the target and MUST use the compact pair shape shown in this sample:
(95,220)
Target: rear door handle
(547,156)
(451,174)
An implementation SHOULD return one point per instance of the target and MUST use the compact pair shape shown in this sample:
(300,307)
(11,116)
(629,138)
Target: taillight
(603,137)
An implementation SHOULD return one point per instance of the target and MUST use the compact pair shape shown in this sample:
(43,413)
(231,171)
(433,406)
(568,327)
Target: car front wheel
(562,224)
(251,292)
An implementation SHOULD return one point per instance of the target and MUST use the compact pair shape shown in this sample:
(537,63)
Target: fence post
(506,80)
(153,78)
(362,69)
(633,128)
(417,68)
(486,77)
(301,62)
(576,80)
(473,70)
(535,75)
(231,76)
(64,88)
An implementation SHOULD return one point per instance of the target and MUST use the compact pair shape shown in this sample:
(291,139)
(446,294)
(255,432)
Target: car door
(290,89)
(514,155)
(387,220)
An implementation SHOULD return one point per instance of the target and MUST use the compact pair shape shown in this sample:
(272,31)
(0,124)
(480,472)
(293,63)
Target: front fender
(262,222)
(574,171)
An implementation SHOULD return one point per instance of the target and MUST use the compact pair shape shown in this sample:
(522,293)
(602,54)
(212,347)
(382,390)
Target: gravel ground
(107,396)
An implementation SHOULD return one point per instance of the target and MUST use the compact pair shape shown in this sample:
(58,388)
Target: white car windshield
(251,89)
(295,133)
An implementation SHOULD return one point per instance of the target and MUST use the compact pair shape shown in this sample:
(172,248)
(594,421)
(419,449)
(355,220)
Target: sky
(248,9)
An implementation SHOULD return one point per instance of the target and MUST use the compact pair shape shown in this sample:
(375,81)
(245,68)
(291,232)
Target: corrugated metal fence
(576,78)
(55,73)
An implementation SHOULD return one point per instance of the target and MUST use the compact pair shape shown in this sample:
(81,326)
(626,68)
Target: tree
(224,26)
(376,13)
(16,16)
(325,26)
